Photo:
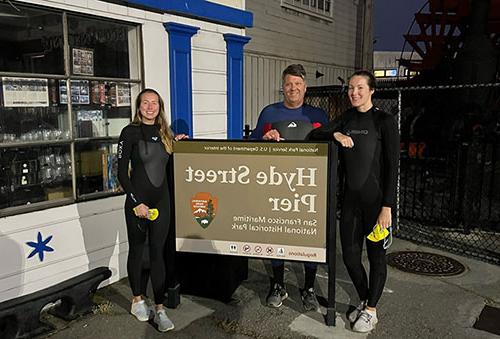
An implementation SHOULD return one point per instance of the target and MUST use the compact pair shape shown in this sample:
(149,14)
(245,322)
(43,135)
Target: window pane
(101,48)
(391,72)
(101,108)
(30,111)
(96,167)
(31,40)
(34,174)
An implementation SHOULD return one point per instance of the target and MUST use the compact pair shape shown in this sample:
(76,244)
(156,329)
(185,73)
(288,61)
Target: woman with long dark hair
(369,147)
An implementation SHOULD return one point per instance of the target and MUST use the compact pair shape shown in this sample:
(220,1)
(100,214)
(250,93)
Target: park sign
(254,199)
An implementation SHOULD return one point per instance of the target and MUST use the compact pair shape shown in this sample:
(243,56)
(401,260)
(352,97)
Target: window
(35,174)
(106,43)
(391,72)
(32,40)
(410,74)
(318,8)
(61,113)
(96,168)
(386,73)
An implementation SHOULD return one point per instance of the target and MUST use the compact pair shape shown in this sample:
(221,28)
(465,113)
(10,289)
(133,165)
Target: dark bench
(20,317)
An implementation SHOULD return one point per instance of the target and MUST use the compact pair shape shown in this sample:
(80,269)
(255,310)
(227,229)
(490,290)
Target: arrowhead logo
(204,208)
(293,124)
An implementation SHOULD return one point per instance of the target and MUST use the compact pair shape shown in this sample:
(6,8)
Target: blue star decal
(40,246)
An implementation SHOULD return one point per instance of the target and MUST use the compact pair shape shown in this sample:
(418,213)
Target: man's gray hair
(295,70)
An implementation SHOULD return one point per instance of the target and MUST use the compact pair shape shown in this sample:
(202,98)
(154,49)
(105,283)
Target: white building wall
(91,234)
(209,83)
(155,58)
(84,236)
(239,4)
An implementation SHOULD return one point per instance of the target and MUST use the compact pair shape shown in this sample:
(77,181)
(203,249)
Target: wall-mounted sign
(260,199)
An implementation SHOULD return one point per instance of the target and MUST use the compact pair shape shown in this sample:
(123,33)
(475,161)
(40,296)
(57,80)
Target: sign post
(331,233)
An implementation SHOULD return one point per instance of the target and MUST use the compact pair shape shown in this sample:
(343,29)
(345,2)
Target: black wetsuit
(371,171)
(142,146)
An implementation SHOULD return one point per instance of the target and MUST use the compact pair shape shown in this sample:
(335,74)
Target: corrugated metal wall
(262,84)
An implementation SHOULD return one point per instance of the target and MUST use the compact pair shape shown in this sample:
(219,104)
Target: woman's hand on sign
(344,140)
(181,137)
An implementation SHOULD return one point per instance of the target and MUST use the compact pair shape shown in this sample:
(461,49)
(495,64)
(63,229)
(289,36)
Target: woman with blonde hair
(147,145)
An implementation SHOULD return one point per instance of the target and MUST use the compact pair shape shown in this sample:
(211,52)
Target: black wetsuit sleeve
(390,149)
(124,154)
(326,132)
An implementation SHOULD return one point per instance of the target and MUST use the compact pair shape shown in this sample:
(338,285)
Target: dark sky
(392,18)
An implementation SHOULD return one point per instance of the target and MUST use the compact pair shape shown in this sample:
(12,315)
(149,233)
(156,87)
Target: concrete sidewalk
(412,306)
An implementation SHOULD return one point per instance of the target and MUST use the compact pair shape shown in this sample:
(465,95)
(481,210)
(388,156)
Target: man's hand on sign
(272,135)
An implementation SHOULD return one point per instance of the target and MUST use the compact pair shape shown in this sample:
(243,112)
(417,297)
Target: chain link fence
(449,183)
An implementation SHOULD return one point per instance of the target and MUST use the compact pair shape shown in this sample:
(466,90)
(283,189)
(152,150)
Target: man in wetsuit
(290,119)
(369,141)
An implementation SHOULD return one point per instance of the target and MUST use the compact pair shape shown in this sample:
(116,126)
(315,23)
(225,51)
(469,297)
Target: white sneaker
(140,310)
(366,322)
(353,316)
(163,322)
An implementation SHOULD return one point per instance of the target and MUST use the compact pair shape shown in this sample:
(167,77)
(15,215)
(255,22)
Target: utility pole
(367,46)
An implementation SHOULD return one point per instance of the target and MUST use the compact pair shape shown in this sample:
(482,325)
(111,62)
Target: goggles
(379,234)
(152,213)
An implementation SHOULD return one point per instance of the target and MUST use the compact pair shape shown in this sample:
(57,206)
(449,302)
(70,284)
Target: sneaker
(366,322)
(353,316)
(276,296)
(163,322)
(309,300)
(140,310)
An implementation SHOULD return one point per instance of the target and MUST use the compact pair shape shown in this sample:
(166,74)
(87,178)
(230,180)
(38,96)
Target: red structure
(439,29)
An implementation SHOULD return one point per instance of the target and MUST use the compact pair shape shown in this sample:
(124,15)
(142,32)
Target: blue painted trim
(235,89)
(201,9)
(181,87)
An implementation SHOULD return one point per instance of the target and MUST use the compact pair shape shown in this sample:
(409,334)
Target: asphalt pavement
(412,306)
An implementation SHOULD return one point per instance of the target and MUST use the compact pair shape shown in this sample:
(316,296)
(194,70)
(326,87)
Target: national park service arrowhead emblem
(204,208)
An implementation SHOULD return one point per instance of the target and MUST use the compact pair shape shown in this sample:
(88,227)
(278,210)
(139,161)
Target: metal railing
(449,183)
